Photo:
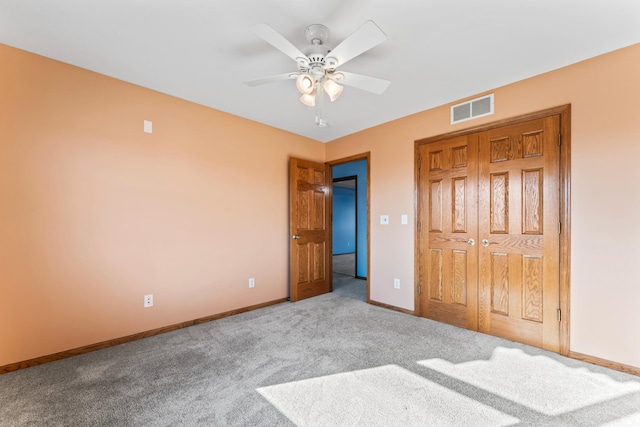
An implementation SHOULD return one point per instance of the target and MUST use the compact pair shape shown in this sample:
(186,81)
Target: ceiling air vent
(471,109)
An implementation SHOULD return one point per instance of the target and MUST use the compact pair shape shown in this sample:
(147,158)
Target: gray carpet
(253,368)
(344,264)
(349,287)
(345,283)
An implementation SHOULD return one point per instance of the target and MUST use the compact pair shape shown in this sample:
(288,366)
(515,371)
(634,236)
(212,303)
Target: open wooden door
(310,216)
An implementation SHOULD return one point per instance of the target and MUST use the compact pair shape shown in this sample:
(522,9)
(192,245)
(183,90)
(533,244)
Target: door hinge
(559,315)
(559,228)
(419,226)
(419,163)
(559,139)
(419,289)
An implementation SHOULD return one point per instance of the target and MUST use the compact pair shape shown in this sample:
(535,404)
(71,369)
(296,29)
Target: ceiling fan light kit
(317,63)
(305,83)
(308,99)
(332,89)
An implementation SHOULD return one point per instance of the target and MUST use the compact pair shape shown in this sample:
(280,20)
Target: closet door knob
(485,242)
(471,242)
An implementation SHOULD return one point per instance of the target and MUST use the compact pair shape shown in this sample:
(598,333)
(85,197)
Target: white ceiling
(437,51)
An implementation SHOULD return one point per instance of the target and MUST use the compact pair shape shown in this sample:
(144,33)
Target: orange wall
(94,213)
(605,270)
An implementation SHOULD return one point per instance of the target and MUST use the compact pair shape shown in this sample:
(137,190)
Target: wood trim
(392,307)
(328,247)
(564,111)
(368,157)
(565,230)
(605,363)
(497,124)
(122,340)
(354,158)
(362,156)
(417,279)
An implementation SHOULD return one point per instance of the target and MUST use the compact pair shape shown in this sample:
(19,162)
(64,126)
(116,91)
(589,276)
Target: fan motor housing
(316,55)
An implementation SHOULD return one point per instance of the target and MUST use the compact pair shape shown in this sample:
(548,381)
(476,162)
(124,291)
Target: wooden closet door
(518,200)
(447,215)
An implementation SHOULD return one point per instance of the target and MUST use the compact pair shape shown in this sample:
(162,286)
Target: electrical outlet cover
(148,301)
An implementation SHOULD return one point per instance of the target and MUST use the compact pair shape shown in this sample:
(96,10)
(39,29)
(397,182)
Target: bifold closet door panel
(447,212)
(518,229)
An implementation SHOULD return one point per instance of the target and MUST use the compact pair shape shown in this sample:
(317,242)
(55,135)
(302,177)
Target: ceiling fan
(317,64)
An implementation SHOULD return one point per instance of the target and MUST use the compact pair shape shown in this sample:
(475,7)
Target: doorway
(344,226)
(350,228)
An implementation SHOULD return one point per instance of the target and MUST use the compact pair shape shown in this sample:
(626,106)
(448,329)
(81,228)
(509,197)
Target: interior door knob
(485,242)
(471,242)
(295,236)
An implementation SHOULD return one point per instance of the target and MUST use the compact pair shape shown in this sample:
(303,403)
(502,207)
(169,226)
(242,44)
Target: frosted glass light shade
(308,99)
(332,89)
(305,83)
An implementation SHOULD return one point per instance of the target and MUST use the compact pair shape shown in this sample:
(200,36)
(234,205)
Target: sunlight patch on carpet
(383,396)
(537,382)
(632,420)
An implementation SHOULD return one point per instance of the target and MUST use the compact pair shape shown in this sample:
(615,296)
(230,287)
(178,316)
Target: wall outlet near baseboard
(148,301)
(252,282)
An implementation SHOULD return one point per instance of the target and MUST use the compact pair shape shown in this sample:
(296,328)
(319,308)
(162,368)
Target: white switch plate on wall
(148,126)
(148,301)
(384,219)
(396,283)
(404,219)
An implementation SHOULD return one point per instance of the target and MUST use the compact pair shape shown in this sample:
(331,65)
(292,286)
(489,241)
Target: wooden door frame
(362,156)
(564,111)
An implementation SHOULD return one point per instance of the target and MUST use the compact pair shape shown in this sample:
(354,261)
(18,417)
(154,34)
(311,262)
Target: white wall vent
(472,109)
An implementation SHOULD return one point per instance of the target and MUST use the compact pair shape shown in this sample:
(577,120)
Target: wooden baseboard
(392,307)
(605,363)
(117,341)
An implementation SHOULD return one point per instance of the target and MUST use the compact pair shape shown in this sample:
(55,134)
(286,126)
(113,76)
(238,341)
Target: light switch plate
(384,219)
(148,126)
(404,219)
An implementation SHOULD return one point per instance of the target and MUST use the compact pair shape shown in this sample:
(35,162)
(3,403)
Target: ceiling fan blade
(368,83)
(271,79)
(278,41)
(368,35)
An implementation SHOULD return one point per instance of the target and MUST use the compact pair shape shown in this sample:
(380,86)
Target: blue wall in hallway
(344,223)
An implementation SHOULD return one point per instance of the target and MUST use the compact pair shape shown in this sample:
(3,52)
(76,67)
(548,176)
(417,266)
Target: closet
(488,245)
